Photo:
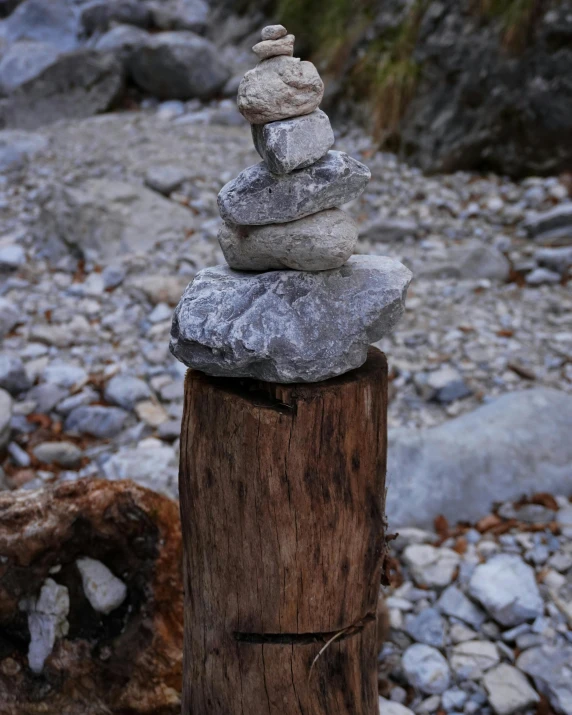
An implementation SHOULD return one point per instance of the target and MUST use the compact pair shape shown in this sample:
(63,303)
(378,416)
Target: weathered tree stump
(282,505)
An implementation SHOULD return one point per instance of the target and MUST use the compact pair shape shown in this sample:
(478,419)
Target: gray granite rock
(257,196)
(178,65)
(516,445)
(286,326)
(293,143)
(279,88)
(507,588)
(273,32)
(275,48)
(319,242)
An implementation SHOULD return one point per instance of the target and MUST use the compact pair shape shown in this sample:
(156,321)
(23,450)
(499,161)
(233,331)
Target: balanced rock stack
(292,305)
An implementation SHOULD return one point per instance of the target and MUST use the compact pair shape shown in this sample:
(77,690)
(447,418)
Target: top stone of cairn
(293,304)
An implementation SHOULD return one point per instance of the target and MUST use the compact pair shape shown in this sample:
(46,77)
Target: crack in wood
(303,638)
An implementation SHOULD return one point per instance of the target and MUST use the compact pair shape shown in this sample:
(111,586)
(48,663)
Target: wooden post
(282,507)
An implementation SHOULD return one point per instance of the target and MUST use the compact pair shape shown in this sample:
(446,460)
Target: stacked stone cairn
(293,304)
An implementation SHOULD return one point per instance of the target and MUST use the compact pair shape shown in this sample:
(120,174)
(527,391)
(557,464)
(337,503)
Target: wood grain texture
(282,504)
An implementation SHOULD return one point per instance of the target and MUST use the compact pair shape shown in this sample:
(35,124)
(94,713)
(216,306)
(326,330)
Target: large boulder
(99,15)
(54,22)
(178,65)
(181,15)
(288,326)
(23,61)
(110,218)
(75,85)
(518,444)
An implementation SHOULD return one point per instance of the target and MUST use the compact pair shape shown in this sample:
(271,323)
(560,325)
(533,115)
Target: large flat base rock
(518,444)
(288,326)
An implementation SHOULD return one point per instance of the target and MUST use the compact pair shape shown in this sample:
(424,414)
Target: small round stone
(273,32)
(275,48)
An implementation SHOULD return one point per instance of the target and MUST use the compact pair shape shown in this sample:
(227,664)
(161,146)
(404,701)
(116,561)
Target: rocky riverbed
(105,220)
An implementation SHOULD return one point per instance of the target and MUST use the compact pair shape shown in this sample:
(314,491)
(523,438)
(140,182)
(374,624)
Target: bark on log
(282,502)
(126,662)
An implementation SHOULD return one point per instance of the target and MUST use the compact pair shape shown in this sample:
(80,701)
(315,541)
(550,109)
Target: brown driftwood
(128,662)
(282,504)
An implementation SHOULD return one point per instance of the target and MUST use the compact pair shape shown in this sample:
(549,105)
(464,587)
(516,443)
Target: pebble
(126,391)
(273,32)
(13,376)
(507,589)
(453,602)
(102,588)
(431,566)
(469,660)
(426,669)
(508,690)
(283,46)
(96,420)
(12,257)
(64,454)
(541,276)
(427,627)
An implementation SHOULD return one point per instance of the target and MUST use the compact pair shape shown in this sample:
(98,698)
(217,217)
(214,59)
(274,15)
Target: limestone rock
(103,590)
(13,377)
(55,22)
(9,316)
(137,534)
(319,242)
(553,227)
(279,88)
(426,669)
(178,65)
(293,143)
(126,391)
(5,418)
(286,326)
(516,445)
(23,61)
(257,196)
(507,588)
(275,48)
(64,454)
(431,566)
(549,667)
(95,420)
(75,85)
(509,690)
(273,32)
(110,218)
(471,659)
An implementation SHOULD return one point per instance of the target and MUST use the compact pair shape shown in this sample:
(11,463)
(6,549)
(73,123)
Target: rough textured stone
(64,454)
(507,588)
(47,621)
(13,377)
(54,22)
(126,391)
(9,316)
(556,259)
(553,227)
(279,88)
(318,242)
(75,85)
(99,15)
(102,588)
(293,143)
(454,603)
(98,421)
(472,261)
(110,218)
(122,40)
(426,669)
(516,445)
(471,659)
(286,326)
(5,418)
(275,48)
(509,690)
(23,61)
(181,15)
(178,65)
(431,566)
(551,669)
(257,196)
(427,627)
(273,32)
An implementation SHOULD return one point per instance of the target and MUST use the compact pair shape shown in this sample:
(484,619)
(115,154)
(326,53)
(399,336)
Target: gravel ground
(134,194)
